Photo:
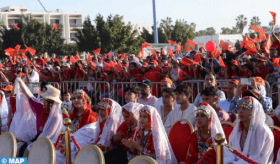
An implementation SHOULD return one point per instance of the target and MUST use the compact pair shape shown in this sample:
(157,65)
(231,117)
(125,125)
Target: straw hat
(52,93)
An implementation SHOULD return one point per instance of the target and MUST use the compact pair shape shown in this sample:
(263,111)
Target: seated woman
(126,130)
(208,125)
(150,138)
(250,136)
(84,125)
(110,119)
(45,121)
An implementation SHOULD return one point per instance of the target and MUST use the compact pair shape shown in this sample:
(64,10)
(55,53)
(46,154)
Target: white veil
(163,149)
(133,107)
(259,143)
(23,125)
(111,125)
(4,112)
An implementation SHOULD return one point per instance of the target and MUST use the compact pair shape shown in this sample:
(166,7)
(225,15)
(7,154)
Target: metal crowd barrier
(95,89)
(273,92)
(119,85)
(3,84)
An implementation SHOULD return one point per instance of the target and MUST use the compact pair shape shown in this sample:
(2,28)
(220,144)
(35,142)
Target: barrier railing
(96,90)
(275,92)
(121,98)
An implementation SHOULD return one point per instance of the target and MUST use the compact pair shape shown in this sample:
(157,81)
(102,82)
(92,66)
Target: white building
(140,27)
(231,39)
(11,14)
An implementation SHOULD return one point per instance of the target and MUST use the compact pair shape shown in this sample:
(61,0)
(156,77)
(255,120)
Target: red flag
(15,26)
(180,74)
(189,45)
(72,59)
(46,60)
(170,52)
(250,46)
(77,57)
(255,28)
(97,51)
(140,55)
(64,59)
(276,62)
(201,45)
(216,53)
(274,16)
(55,27)
(92,65)
(256,39)
(106,66)
(154,51)
(144,45)
(234,50)
(32,51)
(119,67)
(89,59)
(229,48)
(197,57)
(23,56)
(188,62)
(178,47)
(262,35)
(109,54)
(267,44)
(223,45)
(221,62)
(17,47)
(248,52)
(112,64)
(248,39)
(171,42)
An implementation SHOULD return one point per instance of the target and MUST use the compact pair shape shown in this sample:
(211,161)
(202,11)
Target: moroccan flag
(171,42)
(140,55)
(189,45)
(9,51)
(248,52)
(154,51)
(107,66)
(229,48)
(223,45)
(274,16)
(216,53)
(180,74)
(119,67)
(92,65)
(77,57)
(201,45)
(97,51)
(123,56)
(178,47)
(55,27)
(144,45)
(170,52)
(46,60)
(112,64)
(89,59)
(250,46)
(248,39)
(256,39)
(29,63)
(73,60)
(15,26)
(64,59)
(188,62)
(255,28)
(197,57)
(32,51)
(221,62)
(267,44)
(276,62)
(241,44)
(23,56)
(234,50)
(262,35)
(17,47)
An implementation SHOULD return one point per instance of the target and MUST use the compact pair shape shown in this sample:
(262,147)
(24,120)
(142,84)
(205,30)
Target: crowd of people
(141,122)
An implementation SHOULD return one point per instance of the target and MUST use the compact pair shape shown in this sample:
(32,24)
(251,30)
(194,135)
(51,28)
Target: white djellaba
(4,112)
(259,143)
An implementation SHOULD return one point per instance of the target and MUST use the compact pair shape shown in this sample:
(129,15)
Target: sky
(204,13)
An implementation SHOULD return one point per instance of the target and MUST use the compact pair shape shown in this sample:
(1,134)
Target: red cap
(262,59)
(165,66)
(8,88)
(145,64)
(155,57)
(234,62)
(153,62)
(236,82)
(167,80)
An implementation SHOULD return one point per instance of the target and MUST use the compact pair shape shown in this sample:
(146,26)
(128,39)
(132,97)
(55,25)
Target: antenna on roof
(42,6)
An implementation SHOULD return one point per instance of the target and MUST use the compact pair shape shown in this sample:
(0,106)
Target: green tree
(32,33)
(241,22)
(109,35)
(226,30)
(167,27)
(147,36)
(207,31)
(255,21)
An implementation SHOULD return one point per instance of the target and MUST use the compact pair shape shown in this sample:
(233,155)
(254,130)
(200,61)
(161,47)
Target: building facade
(140,28)
(10,15)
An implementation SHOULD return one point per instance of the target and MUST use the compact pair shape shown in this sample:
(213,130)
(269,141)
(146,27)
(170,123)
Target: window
(23,10)
(12,9)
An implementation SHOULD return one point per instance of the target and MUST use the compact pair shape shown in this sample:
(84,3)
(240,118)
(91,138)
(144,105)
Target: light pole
(155,22)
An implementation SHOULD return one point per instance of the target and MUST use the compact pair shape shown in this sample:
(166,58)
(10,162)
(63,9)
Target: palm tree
(255,21)
(241,22)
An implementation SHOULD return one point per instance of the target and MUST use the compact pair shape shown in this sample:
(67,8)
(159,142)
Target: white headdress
(163,149)
(133,107)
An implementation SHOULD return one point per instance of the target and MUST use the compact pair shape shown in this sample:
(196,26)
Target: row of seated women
(134,129)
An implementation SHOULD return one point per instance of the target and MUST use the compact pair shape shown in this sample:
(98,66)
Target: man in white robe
(185,111)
